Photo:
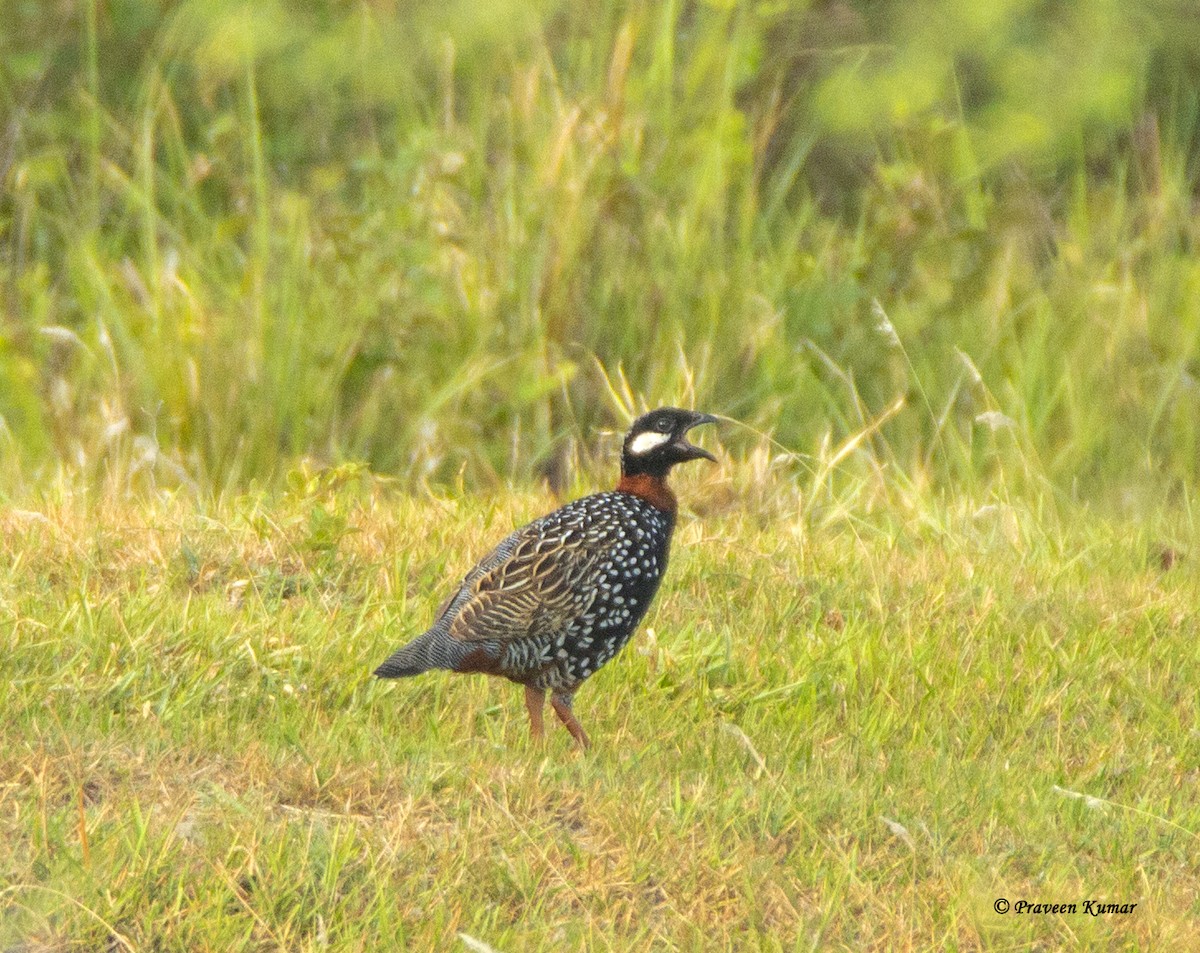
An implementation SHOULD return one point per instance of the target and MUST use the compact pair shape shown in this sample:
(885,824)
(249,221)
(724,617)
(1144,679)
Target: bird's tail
(398,665)
(426,651)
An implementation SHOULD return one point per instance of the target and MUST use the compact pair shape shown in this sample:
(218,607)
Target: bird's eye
(663,424)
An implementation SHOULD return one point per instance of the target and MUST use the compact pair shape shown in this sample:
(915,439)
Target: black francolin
(561,596)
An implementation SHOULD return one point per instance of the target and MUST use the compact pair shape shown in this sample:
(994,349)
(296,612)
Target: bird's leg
(561,703)
(535,701)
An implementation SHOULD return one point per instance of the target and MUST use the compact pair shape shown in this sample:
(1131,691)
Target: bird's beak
(690,451)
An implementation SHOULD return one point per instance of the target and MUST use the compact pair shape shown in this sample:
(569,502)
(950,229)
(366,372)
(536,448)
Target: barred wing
(532,585)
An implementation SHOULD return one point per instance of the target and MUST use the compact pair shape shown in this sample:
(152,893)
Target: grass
(929,641)
(832,733)
(241,233)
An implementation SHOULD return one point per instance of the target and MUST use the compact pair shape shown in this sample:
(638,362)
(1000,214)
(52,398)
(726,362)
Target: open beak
(689,450)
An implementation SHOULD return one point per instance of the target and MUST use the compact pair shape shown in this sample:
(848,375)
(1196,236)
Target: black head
(658,440)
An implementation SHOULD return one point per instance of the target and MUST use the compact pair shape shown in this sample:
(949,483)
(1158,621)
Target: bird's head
(658,440)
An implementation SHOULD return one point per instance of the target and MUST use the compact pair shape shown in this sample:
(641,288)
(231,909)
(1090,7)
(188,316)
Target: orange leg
(562,707)
(535,701)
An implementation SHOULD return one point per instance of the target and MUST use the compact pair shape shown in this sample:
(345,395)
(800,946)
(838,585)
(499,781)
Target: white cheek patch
(645,442)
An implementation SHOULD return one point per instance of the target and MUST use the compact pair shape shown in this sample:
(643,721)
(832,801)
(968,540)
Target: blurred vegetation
(452,240)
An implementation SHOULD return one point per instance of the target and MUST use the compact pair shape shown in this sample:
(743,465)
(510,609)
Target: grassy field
(832,733)
(233,234)
(929,639)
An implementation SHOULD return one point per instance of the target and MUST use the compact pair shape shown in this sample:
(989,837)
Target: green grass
(832,733)
(298,301)
(238,233)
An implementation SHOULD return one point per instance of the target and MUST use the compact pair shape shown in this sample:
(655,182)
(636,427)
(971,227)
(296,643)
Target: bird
(559,597)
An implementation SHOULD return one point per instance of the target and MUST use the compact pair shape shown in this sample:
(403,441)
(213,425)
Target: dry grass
(844,736)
